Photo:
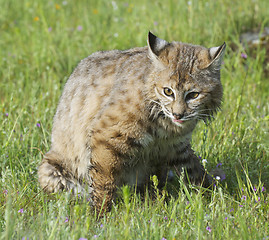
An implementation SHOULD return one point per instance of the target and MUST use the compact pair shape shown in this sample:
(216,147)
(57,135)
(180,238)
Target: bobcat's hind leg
(54,178)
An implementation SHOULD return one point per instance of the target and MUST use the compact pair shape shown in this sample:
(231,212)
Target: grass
(42,41)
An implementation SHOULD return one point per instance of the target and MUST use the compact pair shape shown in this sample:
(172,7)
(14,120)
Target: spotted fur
(115,125)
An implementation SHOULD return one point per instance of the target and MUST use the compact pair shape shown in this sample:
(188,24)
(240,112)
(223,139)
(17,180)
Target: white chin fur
(178,123)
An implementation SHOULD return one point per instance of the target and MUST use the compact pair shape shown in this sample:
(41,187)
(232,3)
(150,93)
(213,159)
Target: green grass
(42,42)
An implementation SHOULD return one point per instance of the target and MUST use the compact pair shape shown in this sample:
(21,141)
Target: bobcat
(126,115)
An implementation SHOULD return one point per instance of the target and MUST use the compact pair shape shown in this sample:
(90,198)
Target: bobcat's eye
(192,95)
(168,91)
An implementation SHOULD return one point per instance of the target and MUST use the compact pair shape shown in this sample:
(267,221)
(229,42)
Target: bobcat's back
(105,83)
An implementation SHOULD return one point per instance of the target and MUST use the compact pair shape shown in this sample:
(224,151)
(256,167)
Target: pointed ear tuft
(155,44)
(216,55)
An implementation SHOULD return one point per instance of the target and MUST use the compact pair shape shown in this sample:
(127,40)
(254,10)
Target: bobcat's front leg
(195,172)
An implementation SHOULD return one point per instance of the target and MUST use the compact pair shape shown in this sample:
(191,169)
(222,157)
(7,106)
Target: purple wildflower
(155,23)
(165,218)
(259,199)
(102,225)
(82,239)
(66,219)
(5,191)
(255,189)
(243,55)
(150,221)
(219,164)
(164,238)
(6,114)
(263,189)
(79,28)
(20,211)
(49,29)
(208,229)
(38,125)
(231,210)
(95,236)
(244,197)
(258,106)
(240,205)
(226,218)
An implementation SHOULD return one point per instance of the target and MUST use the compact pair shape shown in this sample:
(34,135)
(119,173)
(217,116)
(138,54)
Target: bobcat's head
(186,79)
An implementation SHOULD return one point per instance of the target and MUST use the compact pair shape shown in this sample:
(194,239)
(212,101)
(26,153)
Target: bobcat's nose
(178,116)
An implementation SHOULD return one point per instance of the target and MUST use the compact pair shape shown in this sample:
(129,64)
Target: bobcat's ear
(216,55)
(155,45)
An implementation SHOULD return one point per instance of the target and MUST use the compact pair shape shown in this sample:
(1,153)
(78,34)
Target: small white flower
(218,178)
(204,161)
(116,35)
(114,5)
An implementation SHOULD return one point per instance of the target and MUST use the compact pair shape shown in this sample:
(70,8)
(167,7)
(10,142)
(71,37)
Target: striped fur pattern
(126,115)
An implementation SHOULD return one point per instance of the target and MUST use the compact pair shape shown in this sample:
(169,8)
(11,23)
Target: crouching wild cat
(126,115)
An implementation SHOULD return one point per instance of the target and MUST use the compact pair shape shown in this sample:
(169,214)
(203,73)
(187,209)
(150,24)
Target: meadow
(41,42)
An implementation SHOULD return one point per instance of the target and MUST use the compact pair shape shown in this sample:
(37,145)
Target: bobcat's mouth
(177,120)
